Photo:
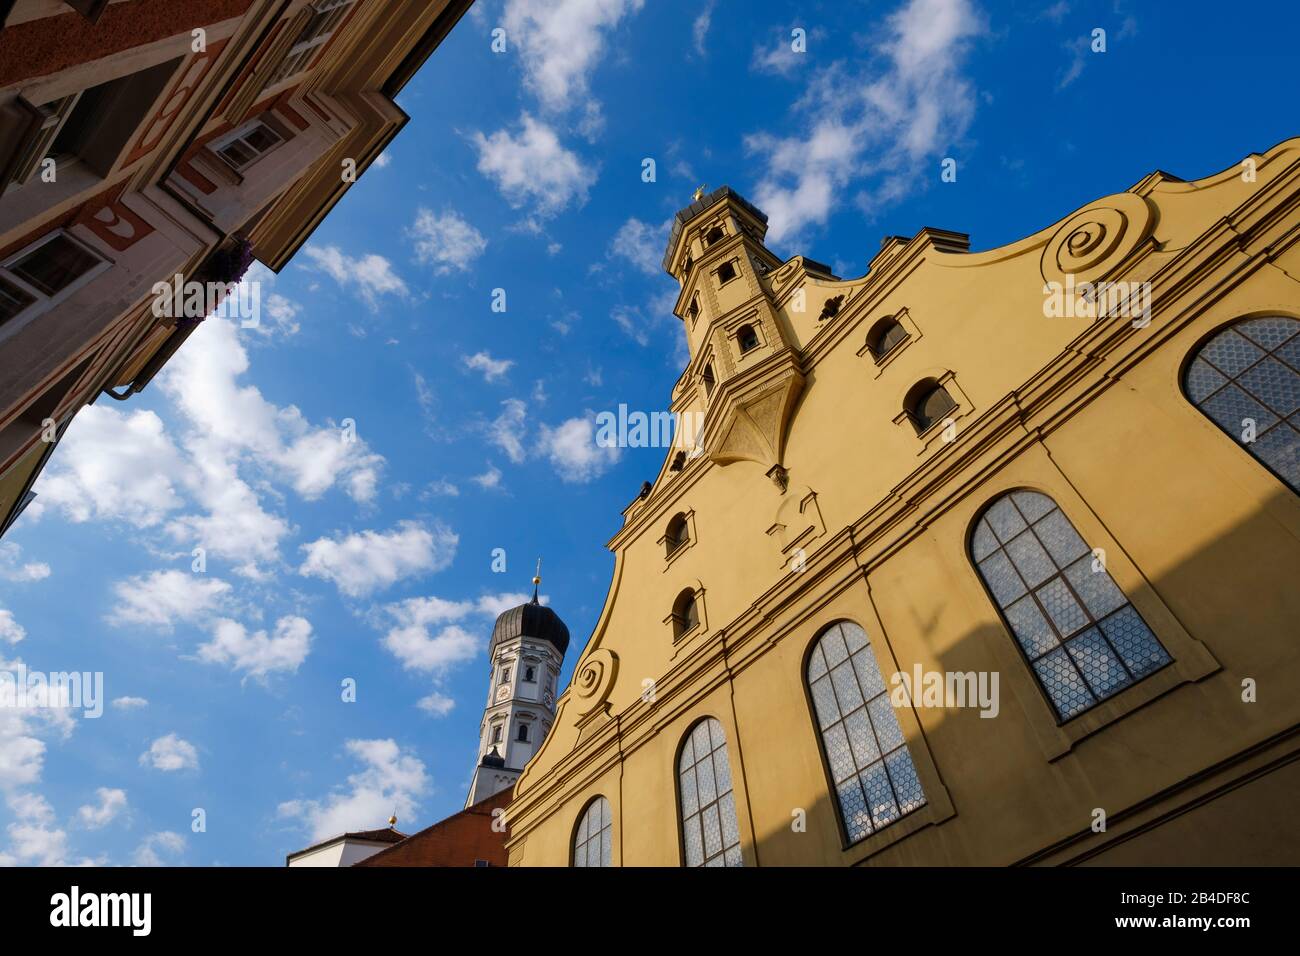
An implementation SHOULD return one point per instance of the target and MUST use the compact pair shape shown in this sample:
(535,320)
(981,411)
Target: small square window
(54,265)
(726,272)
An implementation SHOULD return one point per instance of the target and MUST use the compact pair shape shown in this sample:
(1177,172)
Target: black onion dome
(492,759)
(530,620)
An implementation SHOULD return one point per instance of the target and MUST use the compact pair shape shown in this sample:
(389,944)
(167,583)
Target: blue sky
(372,559)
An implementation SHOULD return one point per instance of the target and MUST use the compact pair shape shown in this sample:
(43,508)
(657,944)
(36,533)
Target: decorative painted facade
(143,139)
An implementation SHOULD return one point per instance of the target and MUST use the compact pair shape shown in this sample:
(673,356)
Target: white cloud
(439,705)
(492,369)
(359,564)
(94,816)
(440,488)
(391,781)
(633,322)
(533,169)
(157,847)
(370,276)
(641,244)
(418,650)
(561,42)
(232,426)
(113,466)
(573,452)
(490,479)
(256,654)
(129,703)
(880,126)
(11,632)
(446,241)
(13,569)
(170,753)
(507,430)
(162,598)
(778,56)
(700,28)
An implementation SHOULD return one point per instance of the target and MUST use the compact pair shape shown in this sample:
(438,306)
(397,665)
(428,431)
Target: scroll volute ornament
(1092,242)
(594,680)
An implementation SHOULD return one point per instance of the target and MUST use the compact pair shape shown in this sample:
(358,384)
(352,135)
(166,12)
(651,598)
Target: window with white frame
(246,145)
(326,15)
(46,272)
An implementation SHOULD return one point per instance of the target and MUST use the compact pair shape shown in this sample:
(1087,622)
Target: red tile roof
(460,840)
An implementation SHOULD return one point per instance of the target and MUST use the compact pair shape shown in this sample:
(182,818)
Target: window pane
(1077,629)
(261,138)
(12,300)
(854,737)
(237,154)
(710,833)
(1252,370)
(55,265)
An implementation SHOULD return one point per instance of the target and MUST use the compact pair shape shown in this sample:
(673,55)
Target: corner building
(933,467)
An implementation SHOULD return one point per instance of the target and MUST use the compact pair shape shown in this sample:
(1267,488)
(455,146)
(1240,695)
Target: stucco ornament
(1092,242)
(595,679)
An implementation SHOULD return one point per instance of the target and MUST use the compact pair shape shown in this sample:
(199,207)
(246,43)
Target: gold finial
(537,580)
(392,821)
(699,191)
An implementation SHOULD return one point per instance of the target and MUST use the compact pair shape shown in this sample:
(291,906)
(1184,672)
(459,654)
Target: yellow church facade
(980,559)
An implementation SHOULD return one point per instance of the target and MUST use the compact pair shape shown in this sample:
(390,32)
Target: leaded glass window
(593,840)
(1082,638)
(710,834)
(867,758)
(1252,371)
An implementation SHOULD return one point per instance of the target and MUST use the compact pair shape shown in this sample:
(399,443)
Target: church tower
(527,650)
(746,371)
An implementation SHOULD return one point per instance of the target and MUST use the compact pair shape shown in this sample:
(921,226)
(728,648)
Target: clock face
(503,693)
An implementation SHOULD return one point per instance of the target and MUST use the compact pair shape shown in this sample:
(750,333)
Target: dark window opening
(885,337)
(715,234)
(930,403)
(709,381)
(726,272)
(747,338)
(685,614)
(679,462)
(677,535)
(522,735)
(530,674)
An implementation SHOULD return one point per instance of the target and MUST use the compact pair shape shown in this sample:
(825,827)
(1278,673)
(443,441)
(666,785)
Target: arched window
(1079,633)
(530,675)
(592,840)
(677,535)
(866,755)
(747,338)
(685,614)
(1252,371)
(885,337)
(709,380)
(927,403)
(710,835)
(522,734)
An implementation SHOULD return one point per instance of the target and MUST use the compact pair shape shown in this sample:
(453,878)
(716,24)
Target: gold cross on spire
(699,191)
(537,579)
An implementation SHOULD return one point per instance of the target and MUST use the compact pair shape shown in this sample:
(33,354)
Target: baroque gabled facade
(1080,510)
(146,139)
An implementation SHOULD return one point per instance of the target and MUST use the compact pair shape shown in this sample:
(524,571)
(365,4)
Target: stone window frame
(904,318)
(671,556)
